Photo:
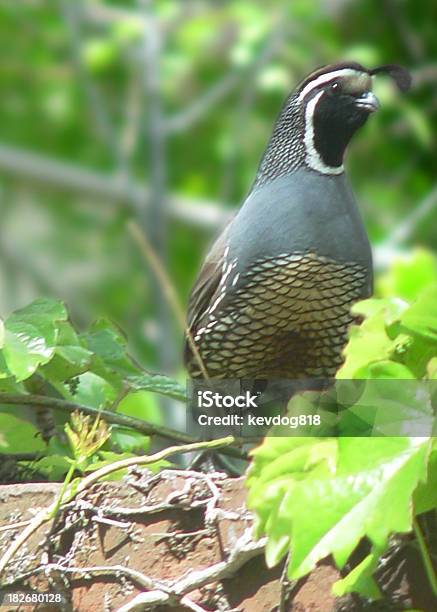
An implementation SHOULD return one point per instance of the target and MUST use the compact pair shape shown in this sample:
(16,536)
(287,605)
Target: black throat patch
(334,122)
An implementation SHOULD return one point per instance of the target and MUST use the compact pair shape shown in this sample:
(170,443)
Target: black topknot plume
(400,75)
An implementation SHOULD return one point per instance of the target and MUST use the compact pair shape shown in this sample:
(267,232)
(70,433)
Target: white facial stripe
(325,78)
(313,158)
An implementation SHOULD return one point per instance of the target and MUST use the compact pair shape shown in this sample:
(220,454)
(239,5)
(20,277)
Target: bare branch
(149,429)
(167,289)
(245,549)
(49,172)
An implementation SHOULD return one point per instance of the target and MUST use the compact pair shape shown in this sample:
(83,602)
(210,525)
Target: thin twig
(167,288)
(244,550)
(98,570)
(14,526)
(191,605)
(115,418)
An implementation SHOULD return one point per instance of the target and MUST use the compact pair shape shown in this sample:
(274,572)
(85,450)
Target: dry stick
(191,605)
(14,526)
(75,489)
(167,288)
(244,550)
(115,418)
(98,570)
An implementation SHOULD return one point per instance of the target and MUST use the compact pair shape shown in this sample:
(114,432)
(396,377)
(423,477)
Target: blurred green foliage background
(158,113)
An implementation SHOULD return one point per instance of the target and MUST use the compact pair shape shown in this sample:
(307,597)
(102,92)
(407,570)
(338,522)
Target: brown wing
(205,288)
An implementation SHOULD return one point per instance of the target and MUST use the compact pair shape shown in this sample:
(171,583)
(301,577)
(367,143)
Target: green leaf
(141,405)
(425,496)
(278,462)
(127,30)
(10,385)
(94,391)
(30,337)
(129,441)
(409,275)
(432,369)
(360,579)
(70,358)
(415,353)
(391,308)
(369,342)
(106,341)
(54,467)
(159,383)
(328,494)
(384,370)
(105,458)
(369,495)
(390,407)
(109,346)
(18,436)
(421,317)
(99,53)
(113,363)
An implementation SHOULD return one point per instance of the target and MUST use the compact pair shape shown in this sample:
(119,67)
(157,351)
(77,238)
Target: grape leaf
(70,358)
(360,579)
(30,336)
(159,383)
(409,275)
(18,436)
(421,317)
(328,494)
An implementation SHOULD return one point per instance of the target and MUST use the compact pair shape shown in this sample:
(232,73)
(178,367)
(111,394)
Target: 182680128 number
(30,597)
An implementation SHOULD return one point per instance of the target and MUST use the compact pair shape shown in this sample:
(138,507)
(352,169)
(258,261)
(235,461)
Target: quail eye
(335,87)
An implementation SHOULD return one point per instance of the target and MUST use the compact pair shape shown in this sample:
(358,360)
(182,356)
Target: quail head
(273,298)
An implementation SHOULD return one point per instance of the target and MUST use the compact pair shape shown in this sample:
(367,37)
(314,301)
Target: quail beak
(368,101)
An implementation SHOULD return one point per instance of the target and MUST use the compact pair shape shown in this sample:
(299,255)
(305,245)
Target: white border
(328,76)
(313,158)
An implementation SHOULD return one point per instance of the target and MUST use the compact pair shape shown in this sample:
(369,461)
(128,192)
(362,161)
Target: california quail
(273,297)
